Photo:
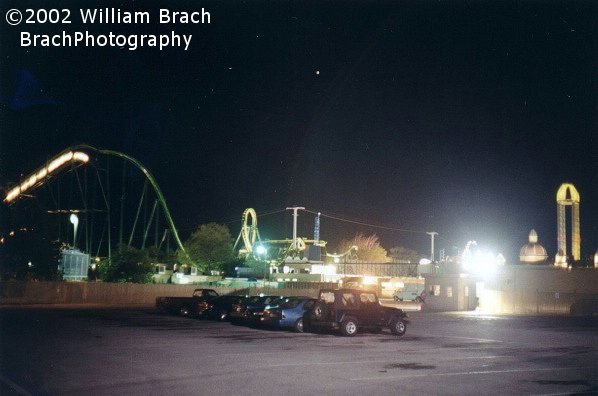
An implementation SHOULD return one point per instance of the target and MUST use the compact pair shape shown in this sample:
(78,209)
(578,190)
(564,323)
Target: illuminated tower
(567,195)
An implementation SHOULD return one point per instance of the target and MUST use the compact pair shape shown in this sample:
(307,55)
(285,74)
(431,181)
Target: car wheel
(299,325)
(184,311)
(398,326)
(319,311)
(349,326)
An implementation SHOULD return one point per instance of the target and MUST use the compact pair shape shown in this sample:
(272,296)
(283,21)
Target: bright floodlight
(75,221)
(482,262)
(425,261)
(260,250)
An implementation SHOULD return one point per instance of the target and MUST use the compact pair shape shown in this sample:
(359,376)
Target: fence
(540,302)
(12,292)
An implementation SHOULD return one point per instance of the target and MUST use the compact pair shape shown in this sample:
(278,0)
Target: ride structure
(280,251)
(88,196)
(567,195)
(249,233)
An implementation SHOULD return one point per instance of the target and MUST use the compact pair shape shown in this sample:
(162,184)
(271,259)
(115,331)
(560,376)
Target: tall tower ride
(567,195)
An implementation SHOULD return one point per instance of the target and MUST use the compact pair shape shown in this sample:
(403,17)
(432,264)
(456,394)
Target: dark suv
(350,310)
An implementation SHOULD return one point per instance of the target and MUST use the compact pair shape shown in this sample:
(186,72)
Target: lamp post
(75,221)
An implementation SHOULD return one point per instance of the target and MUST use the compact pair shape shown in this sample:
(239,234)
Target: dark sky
(456,117)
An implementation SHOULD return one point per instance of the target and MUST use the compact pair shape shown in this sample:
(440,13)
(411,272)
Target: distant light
(482,262)
(425,261)
(30,264)
(74,219)
(317,72)
(260,250)
(369,280)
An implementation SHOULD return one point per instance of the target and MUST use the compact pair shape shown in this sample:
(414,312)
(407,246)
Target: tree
(210,248)
(368,248)
(159,256)
(18,260)
(402,254)
(128,264)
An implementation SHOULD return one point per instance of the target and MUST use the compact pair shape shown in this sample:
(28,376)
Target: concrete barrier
(23,293)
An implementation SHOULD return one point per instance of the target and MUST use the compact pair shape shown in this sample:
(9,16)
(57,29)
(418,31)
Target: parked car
(218,308)
(411,292)
(287,314)
(185,306)
(350,310)
(249,310)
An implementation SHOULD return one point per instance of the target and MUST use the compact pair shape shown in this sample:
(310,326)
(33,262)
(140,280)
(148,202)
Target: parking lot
(107,351)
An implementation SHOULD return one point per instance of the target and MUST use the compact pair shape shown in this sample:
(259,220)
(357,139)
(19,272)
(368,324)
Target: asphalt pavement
(137,351)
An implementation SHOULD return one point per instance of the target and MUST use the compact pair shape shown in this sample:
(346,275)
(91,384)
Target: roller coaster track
(74,155)
(249,232)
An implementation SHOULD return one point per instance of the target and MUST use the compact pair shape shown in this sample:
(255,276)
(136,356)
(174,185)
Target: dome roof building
(533,252)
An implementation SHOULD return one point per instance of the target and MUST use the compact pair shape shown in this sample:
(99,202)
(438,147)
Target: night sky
(457,117)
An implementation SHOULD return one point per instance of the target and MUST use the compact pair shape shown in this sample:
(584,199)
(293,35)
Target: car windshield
(290,303)
(327,296)
(273,300)
(367,298)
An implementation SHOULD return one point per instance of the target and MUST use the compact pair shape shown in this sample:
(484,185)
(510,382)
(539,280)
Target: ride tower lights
(567,195)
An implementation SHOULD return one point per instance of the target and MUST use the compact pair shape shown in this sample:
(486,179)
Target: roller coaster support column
(154,185)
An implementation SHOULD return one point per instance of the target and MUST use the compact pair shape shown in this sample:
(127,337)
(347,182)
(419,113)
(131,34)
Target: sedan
(218,308)
(249,311)
(289,314)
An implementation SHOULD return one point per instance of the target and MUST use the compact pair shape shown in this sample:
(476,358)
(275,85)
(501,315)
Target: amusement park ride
(92,200)
(86,196)
(279,251)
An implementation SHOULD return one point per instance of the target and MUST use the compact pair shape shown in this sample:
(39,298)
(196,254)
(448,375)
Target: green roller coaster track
(154,184)
(36,179)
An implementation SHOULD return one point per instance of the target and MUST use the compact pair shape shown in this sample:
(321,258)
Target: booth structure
(517,289)
(74,265)
(450,292)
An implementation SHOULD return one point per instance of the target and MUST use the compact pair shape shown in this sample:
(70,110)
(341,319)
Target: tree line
(209,249)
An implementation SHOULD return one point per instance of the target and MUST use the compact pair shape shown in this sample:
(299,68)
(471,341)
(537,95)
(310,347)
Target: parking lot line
(465,373)
(463,338)
(364,361)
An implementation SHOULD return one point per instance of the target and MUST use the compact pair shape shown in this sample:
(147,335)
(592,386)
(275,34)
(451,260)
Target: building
(533,252)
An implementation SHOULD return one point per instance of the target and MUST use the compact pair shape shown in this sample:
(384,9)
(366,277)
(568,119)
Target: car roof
(346,290)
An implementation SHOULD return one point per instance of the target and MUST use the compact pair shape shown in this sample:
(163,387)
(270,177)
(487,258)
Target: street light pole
(75,221)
